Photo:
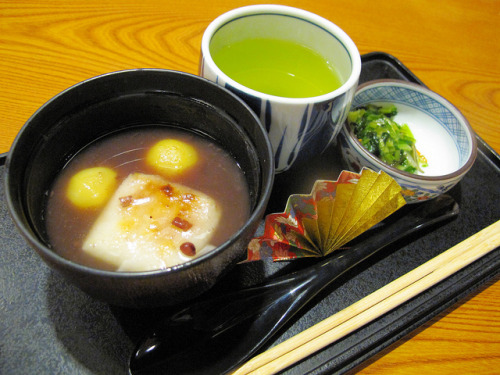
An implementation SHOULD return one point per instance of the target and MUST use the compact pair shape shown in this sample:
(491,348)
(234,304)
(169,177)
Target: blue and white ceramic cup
(297,127)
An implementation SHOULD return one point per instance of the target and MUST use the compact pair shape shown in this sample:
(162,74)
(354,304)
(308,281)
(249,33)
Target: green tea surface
(277,67)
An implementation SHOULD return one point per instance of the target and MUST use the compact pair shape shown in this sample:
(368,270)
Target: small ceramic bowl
(443,135)
(117,101)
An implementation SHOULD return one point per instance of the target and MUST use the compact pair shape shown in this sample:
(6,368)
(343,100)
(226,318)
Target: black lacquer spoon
(217,335)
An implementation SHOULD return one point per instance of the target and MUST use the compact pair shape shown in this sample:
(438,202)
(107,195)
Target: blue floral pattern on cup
(297,127)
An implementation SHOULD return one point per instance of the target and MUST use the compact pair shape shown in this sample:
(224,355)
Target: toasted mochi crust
(146,221)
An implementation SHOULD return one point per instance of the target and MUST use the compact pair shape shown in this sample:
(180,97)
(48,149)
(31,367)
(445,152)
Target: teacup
(301,123)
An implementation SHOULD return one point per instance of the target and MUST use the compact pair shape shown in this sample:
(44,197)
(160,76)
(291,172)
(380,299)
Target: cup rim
(351,49)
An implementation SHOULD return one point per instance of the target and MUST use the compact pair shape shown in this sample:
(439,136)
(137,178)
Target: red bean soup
(151,218)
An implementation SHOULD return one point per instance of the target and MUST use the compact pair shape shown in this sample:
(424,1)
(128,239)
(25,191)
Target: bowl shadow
(87,328)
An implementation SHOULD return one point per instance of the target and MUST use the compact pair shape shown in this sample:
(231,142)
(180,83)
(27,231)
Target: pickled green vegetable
(383,137)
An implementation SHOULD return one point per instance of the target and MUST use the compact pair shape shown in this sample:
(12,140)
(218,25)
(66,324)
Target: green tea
(277,67)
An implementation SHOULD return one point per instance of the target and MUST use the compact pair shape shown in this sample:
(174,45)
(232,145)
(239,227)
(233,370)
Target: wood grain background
(47,46)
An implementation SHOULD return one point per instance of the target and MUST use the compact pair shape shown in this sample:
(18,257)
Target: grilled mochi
(150,223)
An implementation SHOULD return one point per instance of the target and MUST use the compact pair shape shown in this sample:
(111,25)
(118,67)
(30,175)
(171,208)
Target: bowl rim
(29,234)
(406,175)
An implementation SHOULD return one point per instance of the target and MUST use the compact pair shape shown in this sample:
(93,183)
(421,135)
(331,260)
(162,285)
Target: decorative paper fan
(333,214)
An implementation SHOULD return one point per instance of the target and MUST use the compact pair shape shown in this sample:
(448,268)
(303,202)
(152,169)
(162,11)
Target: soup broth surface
(215,174)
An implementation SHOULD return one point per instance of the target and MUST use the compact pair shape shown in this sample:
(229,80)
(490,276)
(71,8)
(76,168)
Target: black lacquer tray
(48,326)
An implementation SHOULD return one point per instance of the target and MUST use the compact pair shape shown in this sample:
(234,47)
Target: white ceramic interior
(443,135)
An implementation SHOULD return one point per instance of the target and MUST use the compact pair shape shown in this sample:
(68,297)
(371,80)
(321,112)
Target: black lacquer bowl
(116,101)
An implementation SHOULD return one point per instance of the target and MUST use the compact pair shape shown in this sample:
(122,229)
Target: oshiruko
(146,198)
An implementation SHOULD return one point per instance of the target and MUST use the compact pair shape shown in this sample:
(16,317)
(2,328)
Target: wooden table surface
(452,45)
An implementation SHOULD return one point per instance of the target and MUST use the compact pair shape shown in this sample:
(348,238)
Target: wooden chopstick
(374,305)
